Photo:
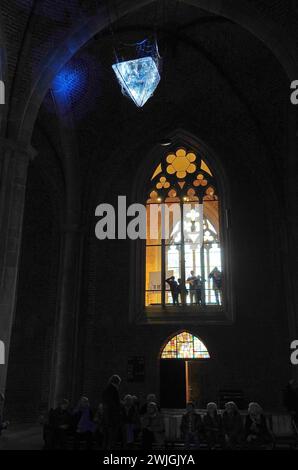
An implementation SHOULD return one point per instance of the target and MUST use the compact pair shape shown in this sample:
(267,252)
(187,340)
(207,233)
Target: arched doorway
(183,371)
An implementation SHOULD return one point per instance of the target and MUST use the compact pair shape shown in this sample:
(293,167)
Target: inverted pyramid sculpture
(138,78)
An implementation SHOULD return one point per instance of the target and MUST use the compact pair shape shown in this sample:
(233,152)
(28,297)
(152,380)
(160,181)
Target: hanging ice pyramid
(138,78)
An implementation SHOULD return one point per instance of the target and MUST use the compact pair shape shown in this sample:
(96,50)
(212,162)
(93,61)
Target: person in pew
(291,401)
(153,428)
(151,398)
(191,427)
(85,426)
(232,425)
(59,427)
(257,433)
(136,402)
(3,424)
(130,421)
(98,420)
(213,427)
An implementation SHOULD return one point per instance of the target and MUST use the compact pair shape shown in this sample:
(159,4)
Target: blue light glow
(138,78)
(67,81)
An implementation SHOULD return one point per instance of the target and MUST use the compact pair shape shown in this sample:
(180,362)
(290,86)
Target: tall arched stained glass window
(183,248)
(185,346)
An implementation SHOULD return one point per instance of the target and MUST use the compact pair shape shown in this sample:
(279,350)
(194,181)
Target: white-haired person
(130,420)
(151,398)
(153,427)
(213,426)
(232,425)
(257,433)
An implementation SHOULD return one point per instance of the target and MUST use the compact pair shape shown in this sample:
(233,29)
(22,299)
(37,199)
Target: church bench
(280,425)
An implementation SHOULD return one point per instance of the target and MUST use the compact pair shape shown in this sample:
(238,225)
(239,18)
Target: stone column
(14,161)
(65,379)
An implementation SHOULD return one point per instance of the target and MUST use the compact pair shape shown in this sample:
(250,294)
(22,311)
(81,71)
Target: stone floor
(22,438)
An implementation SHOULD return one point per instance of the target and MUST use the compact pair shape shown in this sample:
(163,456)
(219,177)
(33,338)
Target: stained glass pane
(184,337)
(185,350)
(200,350)
(170,350)
(185,346)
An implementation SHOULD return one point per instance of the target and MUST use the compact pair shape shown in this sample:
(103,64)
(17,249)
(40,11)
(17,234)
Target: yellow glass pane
(170,169)
(191,168)
(153,275)
(157,171)
(180,153)
(171,158)
(205,167)
(153,224)
(191,157)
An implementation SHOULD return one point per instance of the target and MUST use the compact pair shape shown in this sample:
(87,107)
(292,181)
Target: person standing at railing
(216,276)
(174,288)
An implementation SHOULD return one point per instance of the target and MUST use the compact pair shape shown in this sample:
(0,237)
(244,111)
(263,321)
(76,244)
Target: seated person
(213,426)
(85,426)
(3,424)
(232,425)
(257,433)
(151,397)
(59,426)
(98,420)
(153,428)
(130,420)
(191,426)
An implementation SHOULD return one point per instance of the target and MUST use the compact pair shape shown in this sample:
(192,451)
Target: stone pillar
(65,379)
(14,161)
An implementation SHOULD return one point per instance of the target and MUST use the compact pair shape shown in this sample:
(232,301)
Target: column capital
(28,152)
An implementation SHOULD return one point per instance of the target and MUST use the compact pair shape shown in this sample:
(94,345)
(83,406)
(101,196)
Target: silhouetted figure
(174,288)
(153,427)
(3,424)
(99,431)
(84,424)
(111,412)
(213,426)
(130,420)
(136,402)
(59,427)
(182,291)
(232,425)
(257,433)
(291,400)
(151,398)
(191,426)
(216,277)
(195,288)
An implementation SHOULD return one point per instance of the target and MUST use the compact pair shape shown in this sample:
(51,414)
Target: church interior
(204,309)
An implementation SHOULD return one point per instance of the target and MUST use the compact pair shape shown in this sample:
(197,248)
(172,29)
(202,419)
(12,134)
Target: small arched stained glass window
(185,346)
